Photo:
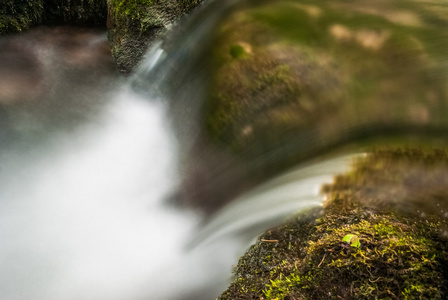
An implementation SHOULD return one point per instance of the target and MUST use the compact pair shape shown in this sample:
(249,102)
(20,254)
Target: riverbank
(382,233)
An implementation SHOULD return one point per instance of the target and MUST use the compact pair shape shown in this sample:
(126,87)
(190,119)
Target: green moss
(19,15)
(148,13)
(135,9)
(401,255)
(237,51)
(134,24)
(388,263)
(293,79)
(258,88)
(342,61)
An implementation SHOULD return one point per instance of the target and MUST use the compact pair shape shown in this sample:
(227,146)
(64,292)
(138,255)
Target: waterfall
(85,219)
(83,212)
(81,208)
(87,169)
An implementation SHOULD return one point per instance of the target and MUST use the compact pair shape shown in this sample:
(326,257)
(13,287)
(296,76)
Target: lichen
(401,254)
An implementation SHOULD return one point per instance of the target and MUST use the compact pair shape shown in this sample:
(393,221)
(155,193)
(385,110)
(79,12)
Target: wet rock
(291,80)
(133,26)
(364,243)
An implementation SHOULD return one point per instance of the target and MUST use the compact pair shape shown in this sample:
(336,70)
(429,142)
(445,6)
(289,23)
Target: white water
(85,220)
(82,216)
(265,206)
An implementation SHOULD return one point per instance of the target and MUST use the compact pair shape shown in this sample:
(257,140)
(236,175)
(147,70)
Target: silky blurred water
(111,188)
(83,189)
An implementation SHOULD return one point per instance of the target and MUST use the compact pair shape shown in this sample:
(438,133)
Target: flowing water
(89,162)
(83,184)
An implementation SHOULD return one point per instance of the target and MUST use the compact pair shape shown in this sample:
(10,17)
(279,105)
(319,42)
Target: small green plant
(237,51)
(352,239)
(403,255)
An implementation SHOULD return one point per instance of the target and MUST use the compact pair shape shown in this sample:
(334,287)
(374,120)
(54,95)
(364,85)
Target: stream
(96,170)
(84,182)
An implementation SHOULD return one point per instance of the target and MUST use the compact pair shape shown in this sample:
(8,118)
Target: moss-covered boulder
(314,72)
(290,80)
(372,240)
(19,15)
(133,25)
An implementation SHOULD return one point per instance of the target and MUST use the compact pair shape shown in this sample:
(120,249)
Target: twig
(392,294)
(373,281)
(269,241)
(322,260)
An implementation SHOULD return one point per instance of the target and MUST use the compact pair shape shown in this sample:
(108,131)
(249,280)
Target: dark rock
(84,13)
(19,15)
(134,26)
(16,16)
(364,245)
(292,80)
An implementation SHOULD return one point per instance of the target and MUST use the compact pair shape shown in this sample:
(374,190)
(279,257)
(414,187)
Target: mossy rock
(133,25)
(358,246)
(20,15)
(290,77)
(292,80)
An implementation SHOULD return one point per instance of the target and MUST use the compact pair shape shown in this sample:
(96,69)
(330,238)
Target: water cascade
(83,212)
(93,184)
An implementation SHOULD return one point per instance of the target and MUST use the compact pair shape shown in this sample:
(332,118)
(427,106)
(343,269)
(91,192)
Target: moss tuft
(134,24)
(132,8)
(237,51)
(401,255)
